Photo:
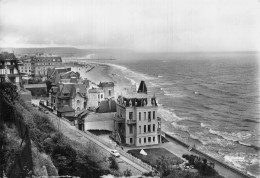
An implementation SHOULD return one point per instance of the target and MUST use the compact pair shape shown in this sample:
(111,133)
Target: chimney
(109,104)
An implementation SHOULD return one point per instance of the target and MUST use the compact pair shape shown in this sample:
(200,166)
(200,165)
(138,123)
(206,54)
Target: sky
(139,25)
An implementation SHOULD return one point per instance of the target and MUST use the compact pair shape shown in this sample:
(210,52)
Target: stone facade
(137,121)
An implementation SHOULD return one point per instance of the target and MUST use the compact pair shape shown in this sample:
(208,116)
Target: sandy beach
(104,73)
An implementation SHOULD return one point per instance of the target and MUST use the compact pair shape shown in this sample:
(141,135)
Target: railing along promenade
(209,157)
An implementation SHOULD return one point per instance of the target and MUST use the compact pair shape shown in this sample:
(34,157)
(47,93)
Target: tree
(113,163)
(127,173)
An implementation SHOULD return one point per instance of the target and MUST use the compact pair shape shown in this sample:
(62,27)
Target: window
(131,140)
(149,139)
(78,109)
(109,92)
(149,128)
(144,140)
(140,140)
(11,71)
(144,115)
(98,96)
(101,96)
(78,101)
(140,129)
(154,127)
(130,115)
(149,116)
(130,129)
(139,116)
(144,128)
(153,114)
(153,139)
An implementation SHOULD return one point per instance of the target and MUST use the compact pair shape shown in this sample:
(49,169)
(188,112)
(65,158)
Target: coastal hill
(64,51)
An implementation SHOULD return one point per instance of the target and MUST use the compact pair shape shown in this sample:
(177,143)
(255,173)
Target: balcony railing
(159,119)
(158,129)
(131,121)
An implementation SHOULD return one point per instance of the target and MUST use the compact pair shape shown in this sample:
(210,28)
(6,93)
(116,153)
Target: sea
(208,100)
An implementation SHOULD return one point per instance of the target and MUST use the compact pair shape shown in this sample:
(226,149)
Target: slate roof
(92,117)
(95,90)
(142,88)
(68,74)
(46,59)
(104,106)
(106,84)
(5,56)
(68,90)
(66,108)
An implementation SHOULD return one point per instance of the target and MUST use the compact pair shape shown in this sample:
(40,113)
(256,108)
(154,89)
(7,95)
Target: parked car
(115,153)
(46,112)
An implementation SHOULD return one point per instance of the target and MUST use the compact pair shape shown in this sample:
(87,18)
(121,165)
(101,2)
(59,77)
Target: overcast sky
(142,25)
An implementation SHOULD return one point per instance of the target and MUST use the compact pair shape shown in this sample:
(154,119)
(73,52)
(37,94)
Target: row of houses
(132,117)
(38,65)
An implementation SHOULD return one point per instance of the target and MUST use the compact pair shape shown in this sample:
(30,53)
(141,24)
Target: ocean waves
(205,105)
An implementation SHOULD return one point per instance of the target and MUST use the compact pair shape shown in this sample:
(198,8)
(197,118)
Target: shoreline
(111,77)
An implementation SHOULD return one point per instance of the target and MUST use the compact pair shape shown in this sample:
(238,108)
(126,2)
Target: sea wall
(234,170)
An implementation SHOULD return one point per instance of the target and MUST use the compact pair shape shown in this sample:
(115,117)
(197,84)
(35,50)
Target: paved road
(66,125)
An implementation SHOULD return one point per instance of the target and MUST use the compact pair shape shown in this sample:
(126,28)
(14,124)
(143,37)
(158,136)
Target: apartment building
(136,120)
(26,66)
(40,65)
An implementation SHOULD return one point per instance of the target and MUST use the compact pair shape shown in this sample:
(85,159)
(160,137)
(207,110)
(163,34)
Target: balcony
(159,119)
(131,121)
(159,130)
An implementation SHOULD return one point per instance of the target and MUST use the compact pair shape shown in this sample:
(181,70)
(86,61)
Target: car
(115,153)
(46,112)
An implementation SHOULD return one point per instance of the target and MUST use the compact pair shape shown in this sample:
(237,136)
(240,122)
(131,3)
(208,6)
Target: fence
(127,155)
(209,157)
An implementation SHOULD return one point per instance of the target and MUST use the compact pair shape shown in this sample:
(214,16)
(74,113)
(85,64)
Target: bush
(127,173)
(113,163)
(201,165)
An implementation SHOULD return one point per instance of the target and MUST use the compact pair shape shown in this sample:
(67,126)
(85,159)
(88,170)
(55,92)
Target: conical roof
(142,88)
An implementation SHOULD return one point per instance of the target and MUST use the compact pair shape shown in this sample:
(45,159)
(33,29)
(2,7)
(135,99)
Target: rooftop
(95,90)
(5,56)
(66,108)
(92,117)
(106,106)
(106,84)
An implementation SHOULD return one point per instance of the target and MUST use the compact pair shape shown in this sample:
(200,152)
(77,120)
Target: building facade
(95,96)
(136,121)
(71,95)
(40,65)
(9,70)
(26,67)
(108,88)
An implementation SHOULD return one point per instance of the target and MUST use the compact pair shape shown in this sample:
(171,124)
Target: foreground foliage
(49,145)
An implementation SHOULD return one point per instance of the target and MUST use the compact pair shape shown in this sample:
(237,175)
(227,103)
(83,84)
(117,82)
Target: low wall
(209,157)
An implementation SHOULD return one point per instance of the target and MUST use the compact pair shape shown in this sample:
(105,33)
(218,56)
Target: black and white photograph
(130,88)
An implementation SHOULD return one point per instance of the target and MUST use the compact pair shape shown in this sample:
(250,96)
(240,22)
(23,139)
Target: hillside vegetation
(51,152)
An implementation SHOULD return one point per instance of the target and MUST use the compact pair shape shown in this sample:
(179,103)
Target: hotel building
(136,120)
